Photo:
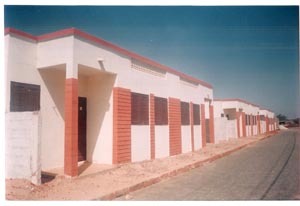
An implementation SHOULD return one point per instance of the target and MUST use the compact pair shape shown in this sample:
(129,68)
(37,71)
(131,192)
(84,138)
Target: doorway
(82,104)
(207,130)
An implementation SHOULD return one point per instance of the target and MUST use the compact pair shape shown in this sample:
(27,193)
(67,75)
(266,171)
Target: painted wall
(23,146)
(49,63)
(220,129)
(22,67)
(162,147)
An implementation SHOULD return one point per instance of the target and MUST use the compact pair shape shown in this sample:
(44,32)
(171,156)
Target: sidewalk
(122,179)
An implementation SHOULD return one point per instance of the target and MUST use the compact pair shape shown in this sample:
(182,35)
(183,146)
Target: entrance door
(207,130)
(82,128)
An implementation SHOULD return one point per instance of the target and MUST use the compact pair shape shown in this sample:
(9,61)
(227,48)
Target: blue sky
(244,52)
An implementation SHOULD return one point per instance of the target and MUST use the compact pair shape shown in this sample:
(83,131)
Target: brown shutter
(196,114)
(161,111)
(185,114)
(139,109)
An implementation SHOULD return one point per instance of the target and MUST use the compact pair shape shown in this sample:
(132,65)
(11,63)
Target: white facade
(99,67)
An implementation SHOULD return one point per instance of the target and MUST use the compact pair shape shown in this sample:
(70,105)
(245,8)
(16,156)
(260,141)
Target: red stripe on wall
(121,125)
(192,126)
(152,126)
(203,127)
(237,116)
(244,124)
(71,127)
(211,124)
(174,126)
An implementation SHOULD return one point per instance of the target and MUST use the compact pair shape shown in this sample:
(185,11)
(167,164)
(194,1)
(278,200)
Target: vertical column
(258,124)
(211,124)
(152,126)
(121,125)
(237,116)
(244,124)
(174,126)
(267,125)
(192,125)
(203,126)
(71,127)
(252,123)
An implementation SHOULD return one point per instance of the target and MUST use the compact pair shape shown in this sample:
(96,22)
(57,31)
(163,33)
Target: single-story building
(268,121)
(235,118)
(72,96)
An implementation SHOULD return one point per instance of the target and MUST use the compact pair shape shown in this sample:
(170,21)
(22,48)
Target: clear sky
(244,52)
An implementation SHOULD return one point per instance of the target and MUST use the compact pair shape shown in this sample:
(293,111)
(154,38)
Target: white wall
(23,144)
(231,131)
(22,67)
(220,129)
(162,143)
(100,118)
(186,143)
(140,143)
(197,137)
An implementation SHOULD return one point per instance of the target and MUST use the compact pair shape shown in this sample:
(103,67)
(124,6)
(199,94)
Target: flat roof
(102,42)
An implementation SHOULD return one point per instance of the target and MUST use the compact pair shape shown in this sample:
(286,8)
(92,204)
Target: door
(82,128)
(207,130)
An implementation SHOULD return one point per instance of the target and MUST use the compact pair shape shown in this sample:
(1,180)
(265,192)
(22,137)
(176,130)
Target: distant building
(236,118)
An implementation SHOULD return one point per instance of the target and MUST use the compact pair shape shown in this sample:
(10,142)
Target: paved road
(267,170)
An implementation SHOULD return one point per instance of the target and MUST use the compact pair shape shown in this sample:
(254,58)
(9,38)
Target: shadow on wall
(99,114)
(54,80)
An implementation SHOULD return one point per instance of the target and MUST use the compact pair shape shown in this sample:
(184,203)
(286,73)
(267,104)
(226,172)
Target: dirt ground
(96,186)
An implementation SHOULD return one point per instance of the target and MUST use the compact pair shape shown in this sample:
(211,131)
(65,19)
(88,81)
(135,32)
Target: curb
(173,173)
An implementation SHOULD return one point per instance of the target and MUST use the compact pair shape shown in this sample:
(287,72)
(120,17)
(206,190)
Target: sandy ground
(95,186)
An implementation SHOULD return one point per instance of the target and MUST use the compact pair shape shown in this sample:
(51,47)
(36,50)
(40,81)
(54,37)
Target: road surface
(267,170)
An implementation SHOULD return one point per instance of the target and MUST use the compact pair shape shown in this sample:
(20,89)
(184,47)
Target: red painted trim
(97,40)
(19,33)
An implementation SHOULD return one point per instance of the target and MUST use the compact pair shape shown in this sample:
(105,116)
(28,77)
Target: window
(161,111)
(185,113)
(247,119)
(196,114)
(24,97)
(262,117)
(139,109)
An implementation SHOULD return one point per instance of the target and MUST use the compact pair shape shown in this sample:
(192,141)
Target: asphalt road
(267,170)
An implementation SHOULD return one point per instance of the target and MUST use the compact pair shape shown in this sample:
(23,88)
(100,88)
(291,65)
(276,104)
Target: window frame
(24,97)
(139,109)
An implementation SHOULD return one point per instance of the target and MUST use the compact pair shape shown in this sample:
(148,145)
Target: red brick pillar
(203,126)
(211,124)
(174,126)
(71,127)
(152,126)
(192,125)
(258,124)
(121,125)
(244,124)
(237,116)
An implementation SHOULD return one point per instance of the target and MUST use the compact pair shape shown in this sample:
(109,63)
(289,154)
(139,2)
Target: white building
(74,97)
(236,118)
